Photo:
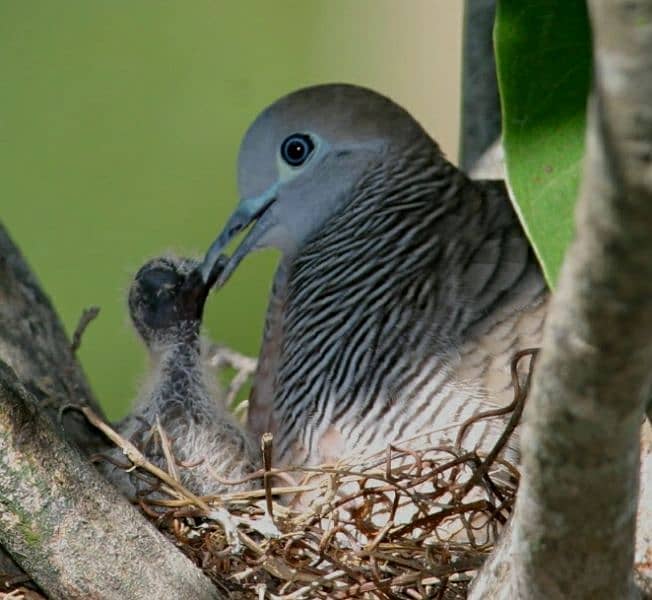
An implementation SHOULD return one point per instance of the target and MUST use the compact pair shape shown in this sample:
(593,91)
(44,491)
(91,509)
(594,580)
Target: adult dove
(404,287)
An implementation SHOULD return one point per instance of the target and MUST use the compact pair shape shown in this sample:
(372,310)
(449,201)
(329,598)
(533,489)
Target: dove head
(300,162)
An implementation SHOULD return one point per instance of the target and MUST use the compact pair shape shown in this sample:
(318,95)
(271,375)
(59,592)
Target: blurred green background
(120,123)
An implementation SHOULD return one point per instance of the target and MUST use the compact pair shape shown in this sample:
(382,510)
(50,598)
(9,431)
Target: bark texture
(572,534)
(481,120)
(67,527)
(34,343)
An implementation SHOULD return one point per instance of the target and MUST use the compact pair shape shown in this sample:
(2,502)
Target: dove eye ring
(296,149)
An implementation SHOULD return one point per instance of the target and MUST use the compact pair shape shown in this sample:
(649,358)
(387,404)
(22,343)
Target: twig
(167,450)
(266,448)
(87,316)
(245,367)
(520,395)
(138,459)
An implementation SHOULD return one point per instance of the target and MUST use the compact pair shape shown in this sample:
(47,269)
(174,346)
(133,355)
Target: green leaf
(543,56)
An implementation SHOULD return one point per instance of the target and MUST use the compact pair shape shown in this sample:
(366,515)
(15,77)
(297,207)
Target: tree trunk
(572,533)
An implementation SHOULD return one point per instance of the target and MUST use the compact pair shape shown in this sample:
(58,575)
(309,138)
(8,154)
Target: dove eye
(296,149)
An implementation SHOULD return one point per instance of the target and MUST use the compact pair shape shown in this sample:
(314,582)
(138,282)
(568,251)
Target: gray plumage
(404,287)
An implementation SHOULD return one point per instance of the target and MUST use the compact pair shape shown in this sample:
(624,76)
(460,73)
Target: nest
(416,521)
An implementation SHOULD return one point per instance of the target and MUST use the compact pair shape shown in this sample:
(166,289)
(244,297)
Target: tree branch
(481,119)
(69,529)
(34,343)
(572,534)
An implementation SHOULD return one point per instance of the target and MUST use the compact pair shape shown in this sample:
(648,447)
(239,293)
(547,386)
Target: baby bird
(166,303)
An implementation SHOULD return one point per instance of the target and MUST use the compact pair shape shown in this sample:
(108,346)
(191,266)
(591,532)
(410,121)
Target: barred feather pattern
(393,312)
